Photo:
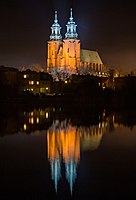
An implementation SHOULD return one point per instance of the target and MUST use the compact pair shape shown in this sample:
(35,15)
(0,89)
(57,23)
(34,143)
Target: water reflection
(67,135)
(27,120)
(63,147)
(36,119)
(65,142)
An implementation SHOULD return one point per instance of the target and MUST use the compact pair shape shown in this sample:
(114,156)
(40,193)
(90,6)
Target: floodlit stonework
(65,56)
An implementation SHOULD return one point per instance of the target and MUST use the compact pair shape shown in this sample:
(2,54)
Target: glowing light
(31,120)
(37,82)
(47,115)
(47,88)
(25,76)
(66,81)
(42,90)
(31,82)
(113,118)
(42,112)
(37,120)
(103,125)
(24,127)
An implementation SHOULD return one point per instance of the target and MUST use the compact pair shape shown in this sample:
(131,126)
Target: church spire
(55,29)
(56,17)
(71,18)
(71,28)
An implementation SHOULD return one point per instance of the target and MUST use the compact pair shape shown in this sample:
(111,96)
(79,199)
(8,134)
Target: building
(91,60)
(65,55)
(35,83)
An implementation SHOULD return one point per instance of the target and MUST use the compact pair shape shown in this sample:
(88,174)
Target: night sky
(106,26)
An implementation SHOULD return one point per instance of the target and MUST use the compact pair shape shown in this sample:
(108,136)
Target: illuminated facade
(65,54)
(34,82)
(91,60)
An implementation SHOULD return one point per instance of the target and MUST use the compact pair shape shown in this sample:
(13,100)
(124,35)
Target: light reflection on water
(65,142)
(66,137)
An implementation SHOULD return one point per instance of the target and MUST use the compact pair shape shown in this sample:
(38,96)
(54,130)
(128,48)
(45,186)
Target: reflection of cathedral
(65,53)
(63,147)
(63,142)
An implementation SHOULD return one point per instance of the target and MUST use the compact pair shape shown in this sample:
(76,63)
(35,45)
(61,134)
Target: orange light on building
(31,82)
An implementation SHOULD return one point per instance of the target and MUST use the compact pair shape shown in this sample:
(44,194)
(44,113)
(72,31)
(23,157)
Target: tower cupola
(71,28)
(55,29)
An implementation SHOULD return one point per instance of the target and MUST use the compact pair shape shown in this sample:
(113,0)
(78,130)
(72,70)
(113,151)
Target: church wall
(71,52)
(67,54)
(54,53)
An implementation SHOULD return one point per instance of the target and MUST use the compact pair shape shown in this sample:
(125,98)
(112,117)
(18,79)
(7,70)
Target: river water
(60,153)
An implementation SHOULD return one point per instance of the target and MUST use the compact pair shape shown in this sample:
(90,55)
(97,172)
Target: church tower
(71,45)
(54,45)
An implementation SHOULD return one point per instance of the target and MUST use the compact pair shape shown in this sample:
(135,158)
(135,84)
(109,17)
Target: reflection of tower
(63,144)
(55,171)
(71,155)
(71,173)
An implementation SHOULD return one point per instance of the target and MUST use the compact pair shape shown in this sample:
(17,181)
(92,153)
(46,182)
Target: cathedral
(65,54)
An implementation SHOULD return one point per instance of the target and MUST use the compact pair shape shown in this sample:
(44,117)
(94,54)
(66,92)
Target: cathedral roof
(90,56)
